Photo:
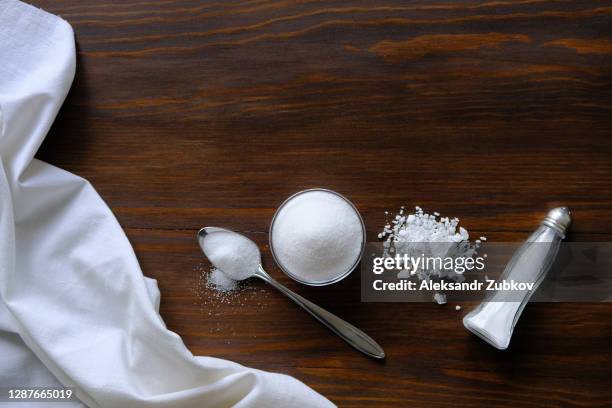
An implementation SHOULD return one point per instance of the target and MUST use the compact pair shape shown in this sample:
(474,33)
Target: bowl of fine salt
(317,237)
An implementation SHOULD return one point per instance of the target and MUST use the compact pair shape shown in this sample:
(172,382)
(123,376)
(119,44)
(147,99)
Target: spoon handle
(346,331)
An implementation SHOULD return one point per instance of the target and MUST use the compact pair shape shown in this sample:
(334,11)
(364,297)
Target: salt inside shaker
(494,319)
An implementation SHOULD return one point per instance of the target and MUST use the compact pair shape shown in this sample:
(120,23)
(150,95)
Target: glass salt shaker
(494,319)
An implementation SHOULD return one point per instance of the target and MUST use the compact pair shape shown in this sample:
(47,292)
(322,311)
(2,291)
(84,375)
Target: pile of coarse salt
(414,234)
(422,227)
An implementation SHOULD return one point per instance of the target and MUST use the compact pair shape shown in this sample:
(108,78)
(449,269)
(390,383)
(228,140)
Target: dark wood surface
(193,113)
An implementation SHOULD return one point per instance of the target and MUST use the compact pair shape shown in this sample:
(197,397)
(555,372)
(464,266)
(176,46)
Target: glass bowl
(341,276)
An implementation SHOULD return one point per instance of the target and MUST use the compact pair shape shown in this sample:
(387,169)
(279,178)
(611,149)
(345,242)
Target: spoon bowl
(234,254)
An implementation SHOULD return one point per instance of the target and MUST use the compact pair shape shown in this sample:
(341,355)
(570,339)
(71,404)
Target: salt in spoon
(223,261)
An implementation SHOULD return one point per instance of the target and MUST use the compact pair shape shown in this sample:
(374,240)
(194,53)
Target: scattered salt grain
(440,298)
(213,302)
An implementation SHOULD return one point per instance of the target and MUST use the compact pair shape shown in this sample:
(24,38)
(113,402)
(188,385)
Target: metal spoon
(346,331)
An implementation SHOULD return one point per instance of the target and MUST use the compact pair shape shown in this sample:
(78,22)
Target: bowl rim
(337,278)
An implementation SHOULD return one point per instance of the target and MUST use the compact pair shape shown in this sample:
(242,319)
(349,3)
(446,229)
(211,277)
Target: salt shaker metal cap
(559,218)
(494,319)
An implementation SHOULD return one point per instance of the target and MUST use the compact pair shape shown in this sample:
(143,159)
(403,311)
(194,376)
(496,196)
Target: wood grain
(192,113)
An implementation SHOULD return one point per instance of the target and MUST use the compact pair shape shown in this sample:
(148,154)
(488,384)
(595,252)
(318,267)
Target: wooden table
(192,113)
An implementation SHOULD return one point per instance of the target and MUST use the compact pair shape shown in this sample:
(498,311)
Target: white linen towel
(74,305)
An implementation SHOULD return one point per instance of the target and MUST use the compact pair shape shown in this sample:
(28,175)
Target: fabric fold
(75,308)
